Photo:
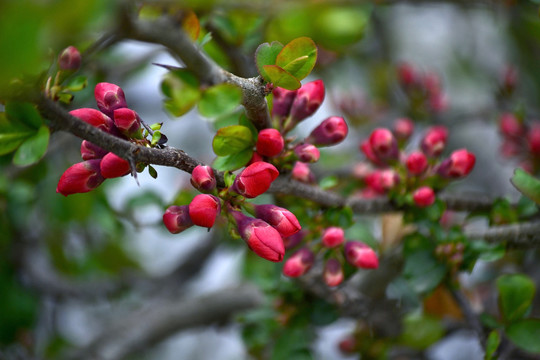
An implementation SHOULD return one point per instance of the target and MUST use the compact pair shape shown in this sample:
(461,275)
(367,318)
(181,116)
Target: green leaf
(219,100)
(234,161)
(281,78)
(24,113)
(78,83)
(421,331)
(12,134)
(516,292)
(33,148)
(328,182)
(527,184)
(152,171)
(266,54)
(181,88)
(492,344)
(244,121)
(298,57)
(423,271)
(231,140)
(525,334)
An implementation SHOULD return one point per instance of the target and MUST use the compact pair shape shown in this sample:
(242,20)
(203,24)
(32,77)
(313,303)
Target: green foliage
(231,140)
(525,334)
(516,293)
(266,54)
(527,184)
(181,89)
(421,331)
(492,343)
(33,148)
(219,100)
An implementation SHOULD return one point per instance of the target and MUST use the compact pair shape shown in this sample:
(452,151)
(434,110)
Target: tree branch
(524,235)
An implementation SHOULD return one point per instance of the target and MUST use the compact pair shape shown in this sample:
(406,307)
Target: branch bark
(524,235)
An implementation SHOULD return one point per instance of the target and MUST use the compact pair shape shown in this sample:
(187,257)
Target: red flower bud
(407,75)
(90,151)
(307,153)
(293,240)
(203,179)
(510,78)
(255,179)
(510,148)
(176,219)
(368,151)
(361,170)
(299,263)
(127,121)
(417,163)
(348,345)
(95,118)
(80,178)
(254,158)
(384,144)
(403,128)
(438,102)
(261,237)
(282,101)
(269,142)
(331,131)
(460,164)
(424,196)
(113,166)
(333,273)
(510,126)
(333,236)
(533,139)
(281,219)
(301,172)
(109,97)
(432,83)
(434,141)
(308,99)
(69,59)
(360,255)
(204,209)
(382,181)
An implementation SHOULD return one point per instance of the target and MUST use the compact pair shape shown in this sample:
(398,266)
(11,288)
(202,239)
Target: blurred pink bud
(432,83)
(533,139)
(361,170)
(459,164)
(382,181)
(366,148)
(282,101)
(301,172)
(384,144)
(424,196)
(510,78)
(109,97)
(204,209)
(203,179)
(281,219)
(348,345)
(403,128)
(510,126)
(293,240)
(113,166)
(80,178)
(176,219)
(438,102)
(333,272)
(269,142)
(434,141)
(333,236)
(69,59)
(90,151)
(416,163)
(510,148)
(255,179)
(360,255)
(307,153)
(407,75)
(127,121)
(308,99)
(95,118)
(331,131)
(299,263)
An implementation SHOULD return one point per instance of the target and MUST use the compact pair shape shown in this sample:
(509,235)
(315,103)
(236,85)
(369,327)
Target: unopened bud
(360,255)
(308,99)
(128,122)
(459,164)
(269,142)
(255,179)
(331,131)
(510,126)
(69,59)
(109,97)
(203,179)
(307,153)
(113,166)
(95,118)
(282,102)
(333,272)
(424,196)
(384,144)
(299,263)
(403,128)
(434,141)
(80,178)
(204,209)
(382,181)
(90,151)
(281,219)
(533,139)
(176,219)
(417,163)
(301,172)
(407,75)
(291,241)
(333,236)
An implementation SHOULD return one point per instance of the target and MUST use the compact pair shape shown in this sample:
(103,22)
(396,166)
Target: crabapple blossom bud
(438,102)
(308,99)
(301,172)
(370,154)
(127,121)
(113,166)
(432,83)
(307,153)
(331,131)
(533,139)
(282,101)
(403,128)
(95,118)
(424,196)
(255,179)
(510,148)
(416,163)
(109,97)
(254,158)
(293,240)
(510,126)
(281,219)
(360,255)
(459,164)
(407,75)
(434,141)
(69,59)
(382,181)
(90,151)
(361,170)
(204,209)
(203,179)
(348,345)
(269,142)
(384,144)
(299,263)
(333,272)
(260,236)
(176,219)
(333,236)
(510,78)
(80,178)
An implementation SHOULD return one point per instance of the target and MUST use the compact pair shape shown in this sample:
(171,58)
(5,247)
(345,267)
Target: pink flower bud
(424,196)
(510,126)
(333,236)
(361,170)
(293,240)
(510,148)
(434,141)
(95,118)
(127,121)
(299,263)
(261,237)
(333,273)
(407,75)
(176,219)
(459,164)
(113,166)
(254,158)
(255,179)
(438,102)
(307,153)
(432,83)
(282,101)
(109,97)
(269,142)
(403,128)
(417,163)
(510,78)
(203,179)
(281,219)
(384,144)
(69,59)
(533,139)
(382,181)
(308,99)
(90,151)
(331,131)
(80,178)
(366,148)
(204,209)
(301,172)
(360,255)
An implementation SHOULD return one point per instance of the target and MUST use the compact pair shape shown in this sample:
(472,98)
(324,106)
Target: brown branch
(524,235)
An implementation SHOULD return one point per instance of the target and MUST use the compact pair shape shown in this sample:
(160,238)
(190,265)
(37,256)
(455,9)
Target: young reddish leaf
(527,184)
(266,54)
(281,78)
(231,140)
(191,25)
(298,57)
(219,100)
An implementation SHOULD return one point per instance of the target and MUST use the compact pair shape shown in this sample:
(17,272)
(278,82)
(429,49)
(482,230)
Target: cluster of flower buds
(113,117)
(422,88)
(521,141)
(452,253)
(396,173)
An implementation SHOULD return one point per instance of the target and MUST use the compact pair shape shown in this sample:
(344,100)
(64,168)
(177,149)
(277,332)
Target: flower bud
(299,263)
(333,236)
(254,158)
(308,99)
(510,78)
(90,151)
(424,196)
(269,142)
(361,170)
(348,345)
(80,178)
(333,273)
(307,153)
(261,237)
(438,102)
(203,179)
(281,219)
(382,181)
(366,148)
(434,141)
(533,139)
(459,164)
(384,144)
(510,126)
(407,75)
(255,179)
(301,172)
(69,59)
(113,166)
(331,131)
(417,163)
(432,83)
(176,219)
(282,101)
(403,128)
(109,97)
(204,209)
(95,118)
(128,122)
(360,255)
(293,240)
(510,148)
